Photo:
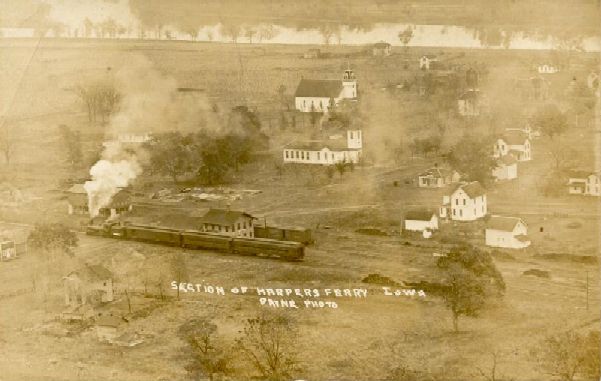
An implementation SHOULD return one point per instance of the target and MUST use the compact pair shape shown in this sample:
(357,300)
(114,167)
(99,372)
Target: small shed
(420,220)
(381,49)
(507,232)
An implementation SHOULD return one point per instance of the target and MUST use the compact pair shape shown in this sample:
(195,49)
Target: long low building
(507,232)
(326,152)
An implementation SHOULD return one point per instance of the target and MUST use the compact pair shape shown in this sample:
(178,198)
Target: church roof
(321,88)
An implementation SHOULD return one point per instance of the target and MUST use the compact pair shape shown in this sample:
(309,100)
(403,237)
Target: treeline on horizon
(576,17)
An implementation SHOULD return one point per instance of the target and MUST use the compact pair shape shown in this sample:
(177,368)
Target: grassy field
(358,336)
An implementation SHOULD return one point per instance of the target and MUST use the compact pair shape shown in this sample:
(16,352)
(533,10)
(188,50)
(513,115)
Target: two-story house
(584,183)
(467,202)
(515,143)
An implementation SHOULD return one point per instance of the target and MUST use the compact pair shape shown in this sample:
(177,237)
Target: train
(193,239)
(301,235)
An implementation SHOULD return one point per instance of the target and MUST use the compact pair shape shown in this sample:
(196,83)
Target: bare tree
(268,343)
(100,98)
(209,355)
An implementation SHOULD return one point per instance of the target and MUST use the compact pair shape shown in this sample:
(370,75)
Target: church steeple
(349,83)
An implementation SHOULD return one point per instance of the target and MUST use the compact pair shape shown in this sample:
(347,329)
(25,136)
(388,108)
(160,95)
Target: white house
(514,143)
(467,202)
(437,178)
(585,183)
(228,222)
(128,138)
(506,169)
(507,232)
(89,284)
(420,220)
(318,95)
(471,103)
(547,69)
(426,61)
(381,49)
(326,152)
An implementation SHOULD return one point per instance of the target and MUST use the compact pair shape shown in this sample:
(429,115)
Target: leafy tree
(473,158)
(569,356)
(471,279)
(340,167)
(405,36)
(72,141)
(268,343)
(172,154)
(550,120)
(209,355)
(52,237)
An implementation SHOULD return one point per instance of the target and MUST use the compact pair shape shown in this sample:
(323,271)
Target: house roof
(322,88)
(419,215)
(318,145)
(93,272)
(436,172)
(381,45)
(122,198)
(223,216)
(514,137)
(470,95)
(508,160)
(579,174)
(473,189)
(503,223)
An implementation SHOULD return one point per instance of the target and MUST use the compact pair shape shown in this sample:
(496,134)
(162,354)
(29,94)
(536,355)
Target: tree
(472,157)
(250,32)
(72,142)
(268,343)
(340,167)
(49,243)
(550,121)
(7,144)
(266,32)
(173,154)
(179,268)
(209,355)
(100,98)
(405,36)
(568,355)
(52,237)
(471,279)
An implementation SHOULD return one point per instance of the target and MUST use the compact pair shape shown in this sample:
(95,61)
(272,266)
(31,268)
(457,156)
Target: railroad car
(298,235)
(153,234)
(268,248)
(208,241)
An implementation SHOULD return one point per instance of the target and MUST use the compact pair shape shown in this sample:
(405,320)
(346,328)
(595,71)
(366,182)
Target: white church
(335,149)
(317,95)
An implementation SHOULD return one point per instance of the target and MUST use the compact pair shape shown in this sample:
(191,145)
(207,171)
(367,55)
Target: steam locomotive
(192,239)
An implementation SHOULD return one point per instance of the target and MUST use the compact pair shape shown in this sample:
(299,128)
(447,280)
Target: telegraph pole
(587,290)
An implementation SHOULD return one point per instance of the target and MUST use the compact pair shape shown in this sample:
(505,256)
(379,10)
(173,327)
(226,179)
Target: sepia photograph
(318,190)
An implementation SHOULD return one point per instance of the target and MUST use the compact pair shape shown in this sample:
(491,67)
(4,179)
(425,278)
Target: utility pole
(587,290)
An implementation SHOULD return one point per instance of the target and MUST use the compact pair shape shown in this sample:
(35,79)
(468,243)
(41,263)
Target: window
(244,224)
(454,212)
(460,213)
(297,154)
(303,155)
(238,225)
(286,152)
(351,134)
(227,229)
(456,201)
(307,155)
(318,154)
(463,201)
